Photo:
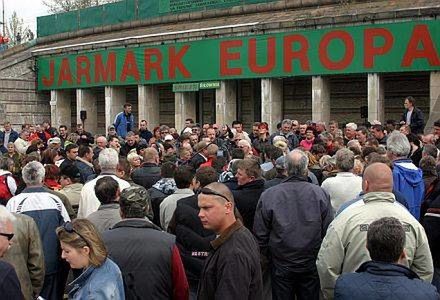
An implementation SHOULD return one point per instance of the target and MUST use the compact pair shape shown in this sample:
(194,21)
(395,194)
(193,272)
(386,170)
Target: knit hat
(134,199)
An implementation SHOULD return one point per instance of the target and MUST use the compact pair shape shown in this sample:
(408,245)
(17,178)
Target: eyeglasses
(9,236)
(208,191)
(68,226)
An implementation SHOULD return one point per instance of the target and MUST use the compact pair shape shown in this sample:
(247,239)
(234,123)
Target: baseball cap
(54,140)
(134,199)
(111,127)
(168,137)
(280,163)
(70,171)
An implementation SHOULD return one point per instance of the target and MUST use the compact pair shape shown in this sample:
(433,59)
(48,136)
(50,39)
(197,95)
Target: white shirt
(88,203)
(21,145)
(169,204)
(342,188)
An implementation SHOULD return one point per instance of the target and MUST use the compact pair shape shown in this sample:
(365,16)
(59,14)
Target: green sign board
(194,87)
(176,6)
(396,47)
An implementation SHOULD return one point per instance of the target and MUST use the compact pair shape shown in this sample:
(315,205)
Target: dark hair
(237,122)
(273,152)
(237,153)
(412,138)
(411,100)
(206,175)
(189,120)
(127,105)
(71,146)
(250,167)
(167,170)
(63,126)
(106,189)
(183,177)
(83,150)
(437,123)
(51,172)
(385,240)
(48,156)
(378,127)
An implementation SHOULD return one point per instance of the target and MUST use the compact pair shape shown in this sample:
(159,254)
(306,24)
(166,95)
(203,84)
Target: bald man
(232,269)
(344,247)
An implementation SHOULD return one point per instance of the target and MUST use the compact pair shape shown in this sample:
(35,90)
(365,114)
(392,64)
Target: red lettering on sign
(108,72)
(82,68)
(175,62)
(153,65)
(421,35)
(130,67)
(349,50)
(226,56)
(370,51)
(65,74)
(300,54)
(48,82)
(252,61)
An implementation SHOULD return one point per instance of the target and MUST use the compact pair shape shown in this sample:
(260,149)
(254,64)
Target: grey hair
(398,144)
(352,126)
(430,150)
(286,121)
(344,159)
(297,166)
(108,159)
(5,216)
(33,173)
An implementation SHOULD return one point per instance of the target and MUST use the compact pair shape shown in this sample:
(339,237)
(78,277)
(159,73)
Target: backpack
(5,192)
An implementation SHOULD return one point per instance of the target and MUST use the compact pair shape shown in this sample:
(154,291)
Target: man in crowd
(71,186)
(22,142)
(48,212)
(290,223)
(407,178)
(238,127)
(113,142)
(9,284)
(85,138)
(6,136)
(101,143)
(345,185)
(84,162)
(107,191)
(130,143)
(232,269)
(108,161)
(386,273)
(350,132)
(379,133)
(144,132)
(286,132)
(63,134)
(149,172)
(343,249)
(124,121)
(413,116)
(148,257)
(71,155)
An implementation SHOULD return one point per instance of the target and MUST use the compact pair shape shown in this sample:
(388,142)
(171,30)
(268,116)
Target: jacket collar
(136,223)
(255,184)
(295,178)
(379,196)
(386,269)
(147,165)
(226,235)
(84,161)
(34,190)
(79,282)
(109,206)
(187,191)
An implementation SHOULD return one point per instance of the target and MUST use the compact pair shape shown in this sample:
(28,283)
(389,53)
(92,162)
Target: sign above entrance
(395,47)
(195,86)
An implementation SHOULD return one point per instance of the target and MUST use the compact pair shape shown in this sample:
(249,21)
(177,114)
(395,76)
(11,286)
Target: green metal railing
(126,11)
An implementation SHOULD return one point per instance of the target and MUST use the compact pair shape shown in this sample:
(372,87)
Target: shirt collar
(222,238)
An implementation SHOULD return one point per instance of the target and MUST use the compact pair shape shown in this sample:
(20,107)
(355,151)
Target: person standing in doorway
(124,121)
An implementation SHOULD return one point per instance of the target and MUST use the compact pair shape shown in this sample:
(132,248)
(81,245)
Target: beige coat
(344,249)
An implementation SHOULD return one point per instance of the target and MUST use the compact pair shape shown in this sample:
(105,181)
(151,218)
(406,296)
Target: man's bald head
(222,190)
(377,178)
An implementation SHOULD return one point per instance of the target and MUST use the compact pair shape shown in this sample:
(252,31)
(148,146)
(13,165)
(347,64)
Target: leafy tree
(16,31)
(57,6)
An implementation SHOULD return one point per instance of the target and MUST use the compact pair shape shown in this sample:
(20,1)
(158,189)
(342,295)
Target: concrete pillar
(148,101)
(86,100)
(60,108)
(185,107)
(434,101)
(320,99)
(376,98)
(271,102)
(226,102)
(115,98)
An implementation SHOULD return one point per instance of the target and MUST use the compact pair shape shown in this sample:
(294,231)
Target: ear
(85,250)
(229,208)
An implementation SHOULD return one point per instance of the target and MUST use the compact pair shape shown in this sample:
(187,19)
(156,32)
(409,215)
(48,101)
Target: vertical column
(185,107)
(320,99)
(271,102)
(86,100)
(60,108)
(148,101)
(376,98)
(434,101)
(226,102)
(115,98)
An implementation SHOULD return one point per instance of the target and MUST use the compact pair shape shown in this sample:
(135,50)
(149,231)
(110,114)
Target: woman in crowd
(15,157)
(83,248)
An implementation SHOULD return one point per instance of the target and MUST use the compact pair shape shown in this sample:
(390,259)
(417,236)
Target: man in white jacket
(22,143)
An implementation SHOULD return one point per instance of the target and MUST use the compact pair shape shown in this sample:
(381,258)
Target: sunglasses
(208,191)
(68,226)
(9,236)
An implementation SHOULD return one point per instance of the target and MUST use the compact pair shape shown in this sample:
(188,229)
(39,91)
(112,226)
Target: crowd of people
(214,212)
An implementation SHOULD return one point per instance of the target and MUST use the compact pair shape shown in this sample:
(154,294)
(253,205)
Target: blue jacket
(408,179)
(12,137)
(123,124)
(378,281)
(104,282)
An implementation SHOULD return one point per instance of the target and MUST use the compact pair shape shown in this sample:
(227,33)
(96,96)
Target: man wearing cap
(281,173)
(148,257)
(71,185)
(54,143)
(232,269)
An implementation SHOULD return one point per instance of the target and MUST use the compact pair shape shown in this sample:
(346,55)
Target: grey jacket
(105,217)
(26,255)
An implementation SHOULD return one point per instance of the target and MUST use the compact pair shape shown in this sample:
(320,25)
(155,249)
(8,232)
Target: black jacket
(232,270)
(147,175)
(9,285)
(431,223)
(197,160)
(290,222)
(246,199)
(377,281)
(191,238)
(417,120)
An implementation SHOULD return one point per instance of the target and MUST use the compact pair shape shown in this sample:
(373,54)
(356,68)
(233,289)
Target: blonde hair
(84,234)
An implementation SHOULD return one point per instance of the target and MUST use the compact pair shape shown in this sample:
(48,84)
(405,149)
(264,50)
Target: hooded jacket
(343,249)
(408,179)
(159,191)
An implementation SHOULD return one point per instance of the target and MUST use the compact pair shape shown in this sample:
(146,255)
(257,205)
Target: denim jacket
(104,282)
